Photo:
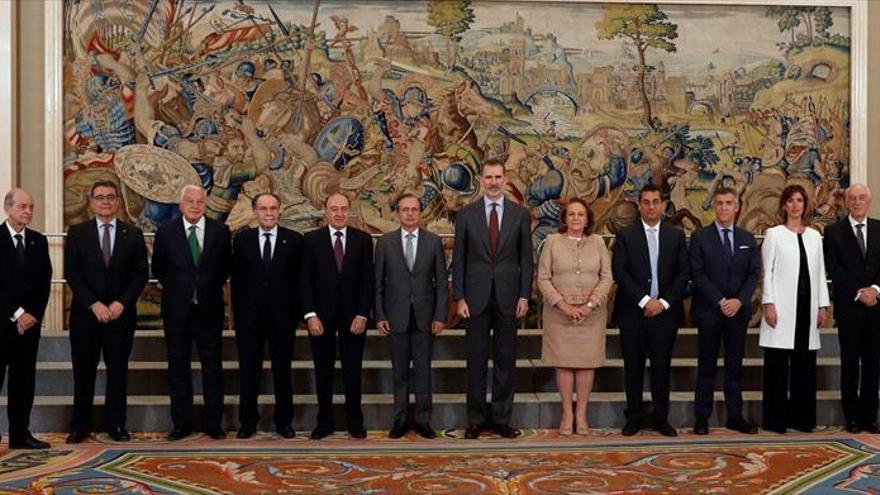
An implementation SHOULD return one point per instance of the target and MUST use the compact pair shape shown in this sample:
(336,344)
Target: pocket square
(743,247)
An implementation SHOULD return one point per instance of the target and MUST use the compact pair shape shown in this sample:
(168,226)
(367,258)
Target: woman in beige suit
(574,276)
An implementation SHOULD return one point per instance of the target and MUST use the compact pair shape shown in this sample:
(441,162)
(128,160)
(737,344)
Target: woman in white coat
(795,307)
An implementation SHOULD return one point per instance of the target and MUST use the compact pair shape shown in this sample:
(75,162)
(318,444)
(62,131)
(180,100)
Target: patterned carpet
(540,462)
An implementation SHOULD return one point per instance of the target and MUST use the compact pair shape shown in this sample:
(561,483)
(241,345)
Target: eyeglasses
(107,197)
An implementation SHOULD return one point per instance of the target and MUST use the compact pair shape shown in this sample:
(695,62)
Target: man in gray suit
(411,305)
(492,277)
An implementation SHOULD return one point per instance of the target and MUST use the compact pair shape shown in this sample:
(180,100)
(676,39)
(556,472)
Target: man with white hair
(852,259)
(191,259)
(24,293)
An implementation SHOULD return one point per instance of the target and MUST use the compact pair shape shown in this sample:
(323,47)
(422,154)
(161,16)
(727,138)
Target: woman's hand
(770,314)
(822,320)
(572,312)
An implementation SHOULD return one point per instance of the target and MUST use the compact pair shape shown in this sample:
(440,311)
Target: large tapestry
(374,99)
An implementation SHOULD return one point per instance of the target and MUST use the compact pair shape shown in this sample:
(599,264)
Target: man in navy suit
(651,270)
(264,298)
(852,258)
(336,290)
(191,259)
(725,264)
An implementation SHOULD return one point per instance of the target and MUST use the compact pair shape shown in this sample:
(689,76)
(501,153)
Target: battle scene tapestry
(377,98)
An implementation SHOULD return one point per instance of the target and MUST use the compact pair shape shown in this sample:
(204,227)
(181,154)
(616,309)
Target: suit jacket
(256,292)
(716,278)
(424,289)
(180,277)
(326,291)
(473,269)
(849,270)
(24,286)
(91,281)
(631,268)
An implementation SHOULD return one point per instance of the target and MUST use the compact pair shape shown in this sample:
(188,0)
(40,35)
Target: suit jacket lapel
(849,237)
(873,237)
(94,245)
(421,250)
(480,209)
(506,222)
(183,241)
(641,238)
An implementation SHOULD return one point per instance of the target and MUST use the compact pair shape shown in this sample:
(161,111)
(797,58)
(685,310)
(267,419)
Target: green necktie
(194,247)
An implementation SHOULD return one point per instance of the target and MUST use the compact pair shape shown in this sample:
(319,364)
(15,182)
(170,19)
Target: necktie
(194,249)
(338,252)
(728,246)
(861,238)
(267,251)
(409,253)
(493,229)
(653,254)
(105,244)
(19,246)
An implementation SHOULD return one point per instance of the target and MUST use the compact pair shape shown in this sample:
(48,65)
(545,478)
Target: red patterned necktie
(338,252)
(493,229)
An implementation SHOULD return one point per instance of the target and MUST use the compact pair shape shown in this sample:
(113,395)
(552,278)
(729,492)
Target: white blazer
(781,258)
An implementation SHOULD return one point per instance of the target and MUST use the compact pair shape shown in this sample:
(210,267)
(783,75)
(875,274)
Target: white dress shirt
(273,236)
(499,209)
(344,237)
(12,233)
(415,241)
(647,297)
(853,222)
(112,232)
(200,230)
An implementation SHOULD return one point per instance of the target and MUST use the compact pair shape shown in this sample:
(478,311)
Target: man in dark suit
(852,259)
(651,270)
(105,264)
(336,291)
(411,306)
(191,258)
(265,272)
(24,292)
(492,278)
(725,264)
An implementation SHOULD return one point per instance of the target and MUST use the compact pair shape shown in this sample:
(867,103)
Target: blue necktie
(728,246)
(653,255)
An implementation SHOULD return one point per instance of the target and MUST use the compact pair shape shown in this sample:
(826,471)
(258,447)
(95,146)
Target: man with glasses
(191,259)
(105,264)
(24,292)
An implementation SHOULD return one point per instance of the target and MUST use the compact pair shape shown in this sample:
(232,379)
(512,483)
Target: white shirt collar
(12,232)
(646,226)
(334,230)
(853,222)
(488,202)
(200,224)
(111,222)
(403,233)
(272,233)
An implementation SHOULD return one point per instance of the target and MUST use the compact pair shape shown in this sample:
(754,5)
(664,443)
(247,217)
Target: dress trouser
(789,397)
(208,338)
(733,333)
(251,342)
(19,354)
(503,340)
(351,353)
(859,368)
(412,345)
(87,345)
(654,340)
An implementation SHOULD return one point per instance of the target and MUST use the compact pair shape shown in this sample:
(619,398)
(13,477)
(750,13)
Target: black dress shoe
(742,426)
(665,429)
(179,433)
(701,427)
(506,431)
(631,428)
(425,431)
(119,434)
(77,436)
(871,427)
(321,432)
(216,433)
(398,430)
(358,432)
(775,429)
(473,432)
(245,432)
(28,442)
(285,431)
